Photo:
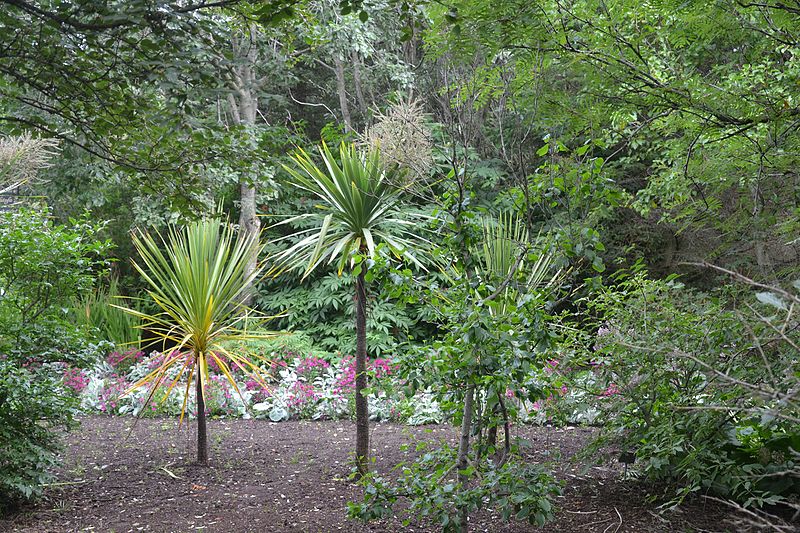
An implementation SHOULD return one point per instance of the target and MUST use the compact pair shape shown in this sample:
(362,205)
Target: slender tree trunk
(362,104)
(463,451)
(249,224)
(491,438)
(244,107)
(342,92)
(362,408)
(202,435)
(506,433)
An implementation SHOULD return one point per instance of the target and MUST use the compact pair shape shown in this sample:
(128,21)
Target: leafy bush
(96,311)
(323,310)
(305,387)
(699,388)
(34,408)
(516,490)
(281,347)
(43,268)
(123,361)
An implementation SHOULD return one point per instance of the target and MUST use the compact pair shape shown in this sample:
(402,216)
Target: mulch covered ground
(292,477)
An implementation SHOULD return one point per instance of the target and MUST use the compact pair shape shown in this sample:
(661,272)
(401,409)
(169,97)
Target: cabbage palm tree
(358,210)
(198,279)
(502,253)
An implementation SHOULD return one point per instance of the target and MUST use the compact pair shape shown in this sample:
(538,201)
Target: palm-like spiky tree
(198,279)
(502,253)
(359,210)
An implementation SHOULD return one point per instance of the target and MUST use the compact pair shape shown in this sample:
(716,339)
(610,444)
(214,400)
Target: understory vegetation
(470,213)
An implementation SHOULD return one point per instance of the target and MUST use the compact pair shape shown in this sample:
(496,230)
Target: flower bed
(321,386)
(307,387)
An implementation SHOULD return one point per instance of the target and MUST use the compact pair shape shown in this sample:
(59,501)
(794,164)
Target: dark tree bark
(463,452)
(362,408)
(341,90)
(506,432)
(202,435)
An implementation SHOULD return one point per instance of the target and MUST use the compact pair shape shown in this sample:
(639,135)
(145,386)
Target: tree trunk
(249,224)
(362,104)
(362,408)
(202,435)
(463,451)
(243,102)
(491,434)
(506,433)
(342,92)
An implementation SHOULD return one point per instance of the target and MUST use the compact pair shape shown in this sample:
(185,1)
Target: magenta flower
(116,358)
(112,391)
(611,390)
(312,364)
(551,366)
(75,379)
(301,394)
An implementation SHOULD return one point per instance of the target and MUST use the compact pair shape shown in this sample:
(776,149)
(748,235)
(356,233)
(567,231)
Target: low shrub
(699,388)
(430,487)
(35,408)
(307,387)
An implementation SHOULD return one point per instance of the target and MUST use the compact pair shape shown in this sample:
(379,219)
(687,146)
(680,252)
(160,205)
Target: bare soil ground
(292,477)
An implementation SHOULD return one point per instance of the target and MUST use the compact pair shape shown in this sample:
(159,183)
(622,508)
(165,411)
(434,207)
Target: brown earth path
(292,477)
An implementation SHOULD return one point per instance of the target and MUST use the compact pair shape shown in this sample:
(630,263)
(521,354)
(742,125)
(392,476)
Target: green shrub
(34,408)
(699,388)
(323,309)
(285,345)
(96,312)
(515,489)
(43,268)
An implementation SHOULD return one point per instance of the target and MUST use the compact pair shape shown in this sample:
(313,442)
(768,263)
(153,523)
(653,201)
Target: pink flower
(301,394)
(116,358)
(381,367)
(275,365)
(311,364)
(259,392)
(550,366)
(110,395)
(378,369)
(75,379)
(611,390)
(157,359)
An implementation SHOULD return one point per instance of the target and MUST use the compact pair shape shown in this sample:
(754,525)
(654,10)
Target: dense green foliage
(705,405)
(43,268)
(98,311)
(616,149)
(34,409)
(322,307)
